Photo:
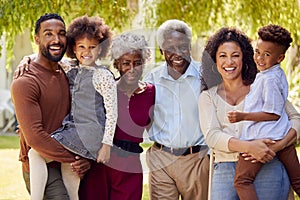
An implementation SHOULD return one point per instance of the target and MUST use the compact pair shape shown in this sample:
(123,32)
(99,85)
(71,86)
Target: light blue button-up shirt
(176,119)
(268,93)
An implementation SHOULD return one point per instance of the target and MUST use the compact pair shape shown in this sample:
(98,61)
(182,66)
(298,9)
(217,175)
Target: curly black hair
(46,17)
(91,27)
(227,34)
(277,34)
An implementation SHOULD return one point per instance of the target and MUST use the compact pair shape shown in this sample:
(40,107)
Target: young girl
(89,128)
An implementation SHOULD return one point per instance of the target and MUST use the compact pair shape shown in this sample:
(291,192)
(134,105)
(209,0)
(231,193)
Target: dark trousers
(55,188)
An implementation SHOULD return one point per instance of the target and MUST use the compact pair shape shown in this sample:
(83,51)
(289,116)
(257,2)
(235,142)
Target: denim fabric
(271,183)
(83,128)
(68,136)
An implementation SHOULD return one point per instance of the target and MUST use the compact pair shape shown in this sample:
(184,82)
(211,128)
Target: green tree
(205,17)
(18,15)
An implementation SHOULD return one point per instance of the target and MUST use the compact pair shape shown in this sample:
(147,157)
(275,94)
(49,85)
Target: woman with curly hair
(122,176)
(228,55)
(89,127)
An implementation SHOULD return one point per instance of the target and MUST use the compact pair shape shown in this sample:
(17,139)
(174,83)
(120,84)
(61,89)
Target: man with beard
(42,100)
(178,161)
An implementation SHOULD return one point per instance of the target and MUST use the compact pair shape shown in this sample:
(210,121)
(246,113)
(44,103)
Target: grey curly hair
(127,42)
(171,26)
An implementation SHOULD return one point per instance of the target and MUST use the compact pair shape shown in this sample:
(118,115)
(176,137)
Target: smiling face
(86,50)
(130,66)
(267,54)
(51,39)
(176,49)
(229,60)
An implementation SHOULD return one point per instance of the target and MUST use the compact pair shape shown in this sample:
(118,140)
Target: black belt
(127,145)
(179,151)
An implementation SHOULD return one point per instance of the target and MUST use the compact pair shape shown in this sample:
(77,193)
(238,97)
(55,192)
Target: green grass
(9,142)
(146,145)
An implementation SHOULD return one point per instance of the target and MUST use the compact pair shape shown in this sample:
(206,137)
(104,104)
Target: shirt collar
(193,70)
(271,68)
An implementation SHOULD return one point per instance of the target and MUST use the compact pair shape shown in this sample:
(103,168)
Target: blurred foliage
(17,15)
(294,85)
(206,17)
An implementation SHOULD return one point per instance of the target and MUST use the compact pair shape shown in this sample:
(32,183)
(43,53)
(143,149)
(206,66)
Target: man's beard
(45,52)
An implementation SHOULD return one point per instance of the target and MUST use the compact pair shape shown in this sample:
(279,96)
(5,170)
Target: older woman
(122,176)
(229,55)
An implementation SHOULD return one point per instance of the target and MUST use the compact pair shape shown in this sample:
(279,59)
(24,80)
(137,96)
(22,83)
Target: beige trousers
(171,176)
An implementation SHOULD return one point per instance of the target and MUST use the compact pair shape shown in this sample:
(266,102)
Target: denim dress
(83,128)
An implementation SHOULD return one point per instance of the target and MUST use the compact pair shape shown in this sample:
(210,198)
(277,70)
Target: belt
(127,145)
(179,151)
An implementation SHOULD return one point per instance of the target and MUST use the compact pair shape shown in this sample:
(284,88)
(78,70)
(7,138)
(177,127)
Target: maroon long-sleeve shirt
(42,100)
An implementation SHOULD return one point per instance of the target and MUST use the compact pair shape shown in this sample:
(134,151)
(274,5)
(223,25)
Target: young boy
(264,110)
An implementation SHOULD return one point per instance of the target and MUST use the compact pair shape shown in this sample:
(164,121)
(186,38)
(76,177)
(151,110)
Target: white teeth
(177,62)
(229,68)
(54,47)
